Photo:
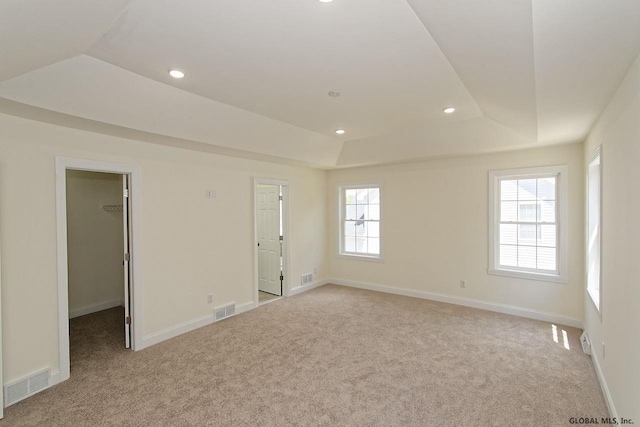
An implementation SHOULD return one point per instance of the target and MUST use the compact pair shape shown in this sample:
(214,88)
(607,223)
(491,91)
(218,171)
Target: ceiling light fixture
(340,131)
(325,1)
(334,93)
(176,74)
(449,110)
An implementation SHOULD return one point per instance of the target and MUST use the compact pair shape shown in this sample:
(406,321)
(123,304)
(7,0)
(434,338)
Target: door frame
(62,165)
(286,230)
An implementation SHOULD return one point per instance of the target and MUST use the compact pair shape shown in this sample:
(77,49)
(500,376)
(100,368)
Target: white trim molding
(94,308)
(300,289)
(561,173)
(191,325)
(466,302)
(341,214)
(603,385)
(286,231)
(62,164)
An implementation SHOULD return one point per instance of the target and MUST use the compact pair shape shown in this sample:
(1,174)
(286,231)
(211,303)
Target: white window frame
(598,304)
(562,215)
(341,190)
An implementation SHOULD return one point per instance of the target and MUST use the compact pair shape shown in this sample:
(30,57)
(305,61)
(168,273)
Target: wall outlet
(212,194)
(463,283)
(210,299)
(315,270)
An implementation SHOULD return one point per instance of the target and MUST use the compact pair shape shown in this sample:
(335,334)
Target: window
(594,195)
(527,214)
(360,221)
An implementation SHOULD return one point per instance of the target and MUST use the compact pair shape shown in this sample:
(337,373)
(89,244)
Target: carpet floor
(330,356)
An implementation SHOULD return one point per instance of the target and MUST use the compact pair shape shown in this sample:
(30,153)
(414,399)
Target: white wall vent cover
(21,389)
(226,311)
(307,278)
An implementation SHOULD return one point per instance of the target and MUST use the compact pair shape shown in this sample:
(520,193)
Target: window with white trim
(527,214)
(360,220)
(594,235)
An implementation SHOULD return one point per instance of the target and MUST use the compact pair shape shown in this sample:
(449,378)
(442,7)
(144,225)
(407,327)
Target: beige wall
(618,131)
(94,240)
(191,245)
(435,230)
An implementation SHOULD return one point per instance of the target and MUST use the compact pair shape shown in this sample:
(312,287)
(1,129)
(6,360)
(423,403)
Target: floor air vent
(225,311)
(19,390)
(307,278)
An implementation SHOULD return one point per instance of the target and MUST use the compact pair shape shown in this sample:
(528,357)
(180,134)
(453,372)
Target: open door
(126,263)
(269,242)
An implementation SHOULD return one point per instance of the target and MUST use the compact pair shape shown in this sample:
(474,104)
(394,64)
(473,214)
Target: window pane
(374,212)
(527,211)
(359,227)
(351,212)
(508,234)
(547,188)
(363,196)
(373,229)
(547,235)
(527,234)
(349,228)
(508,189)
(508,211)
(547,259)
(350,244)
(373,245)
(360,211)
(374,195)
(361,244)
(508,256)
(526,257)
(350,197)
(527,189)
(548,211)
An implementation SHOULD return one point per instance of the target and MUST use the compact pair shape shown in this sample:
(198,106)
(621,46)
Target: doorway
(98,242)
(271,236)
(97,214)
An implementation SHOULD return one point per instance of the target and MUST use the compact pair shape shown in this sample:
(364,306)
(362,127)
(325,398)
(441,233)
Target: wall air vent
(226,311)
(21,389)
(306,279)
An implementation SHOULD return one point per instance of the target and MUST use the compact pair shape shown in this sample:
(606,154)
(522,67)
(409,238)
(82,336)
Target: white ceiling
(521,73)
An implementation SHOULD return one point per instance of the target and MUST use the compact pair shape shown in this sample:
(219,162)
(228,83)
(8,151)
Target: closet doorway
(96,216)
(98,242)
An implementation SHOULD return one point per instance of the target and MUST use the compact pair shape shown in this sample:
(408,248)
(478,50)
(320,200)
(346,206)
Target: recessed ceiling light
(449,110)
(325,1)
(176,74)
(334,93)
(340,131)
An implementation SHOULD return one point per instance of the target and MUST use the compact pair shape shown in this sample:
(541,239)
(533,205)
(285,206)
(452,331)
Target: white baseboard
(467,302)
(94,308)
(300,289)
(603,385)
(55,377)
(191,325)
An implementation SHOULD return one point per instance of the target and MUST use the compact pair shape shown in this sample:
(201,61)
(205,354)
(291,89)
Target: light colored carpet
(331,356)
(264,297)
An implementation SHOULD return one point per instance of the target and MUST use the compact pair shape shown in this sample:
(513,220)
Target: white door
(269,244)
(126,258)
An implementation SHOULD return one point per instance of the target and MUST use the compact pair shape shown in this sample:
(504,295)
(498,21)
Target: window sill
(541,277)
(369,258)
